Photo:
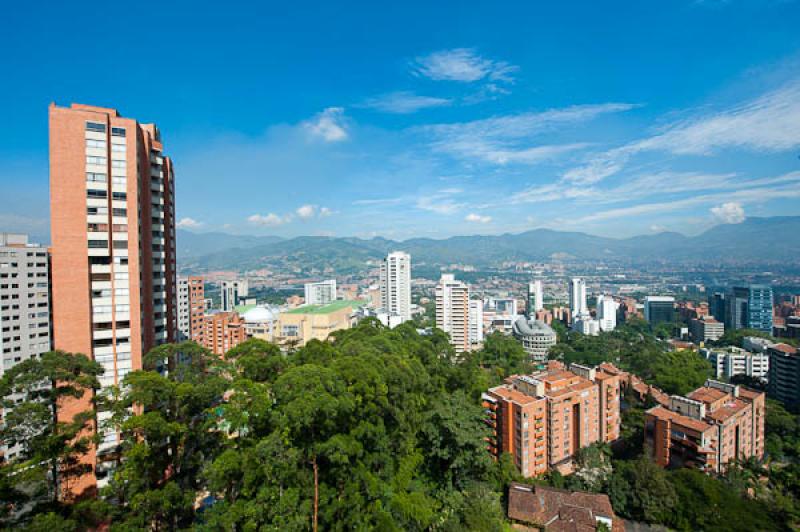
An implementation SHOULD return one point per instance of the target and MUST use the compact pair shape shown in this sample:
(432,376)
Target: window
(120,244)
(119,212)
(94,126)
(93,177)
(94,143)
(117,131)
(99,261)
(96,210)
(98,244)
(92,159)
(118,180)
(118,147)
(119,228)
(119,195)
(115,163)
(101,277)
(97,227)
(93,193)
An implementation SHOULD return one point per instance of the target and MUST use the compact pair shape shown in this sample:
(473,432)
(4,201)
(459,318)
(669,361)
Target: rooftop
(560,509)
(685,421)
(707,395)
(327,309)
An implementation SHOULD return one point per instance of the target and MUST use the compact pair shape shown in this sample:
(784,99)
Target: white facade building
(586,326)
(395,284)
(535,297)
(536,337)
(475,321)
(231,292)
(577,298)
(607,312)
(320,293)
(736,361)
(452,310)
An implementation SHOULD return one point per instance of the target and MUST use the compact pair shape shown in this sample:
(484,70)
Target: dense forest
(376,429)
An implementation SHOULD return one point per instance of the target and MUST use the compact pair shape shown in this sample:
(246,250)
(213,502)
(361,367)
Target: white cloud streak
(477,218)
(404,102)
(729,213)
(268,220)
(329,125)
(462,64)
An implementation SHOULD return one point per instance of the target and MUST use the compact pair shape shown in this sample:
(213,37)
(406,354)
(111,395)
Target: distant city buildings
(706,329)
(711,427)
(784,374)
(659,309)
(577,299)
(320,293)
(191,308)
(543,419)
(452,311)
(731,361)
(112,214)
(24,306)
(231,292)
(499,314)
(260,321)
(395,284)
(536,337)
(475,322)
(299,326)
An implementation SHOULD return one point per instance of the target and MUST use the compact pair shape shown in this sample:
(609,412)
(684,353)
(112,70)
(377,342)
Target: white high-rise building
(535,297)
(607,312)
(452,311)
(320,293)
(395,284)
(577,298)
(475,321)
(231,292)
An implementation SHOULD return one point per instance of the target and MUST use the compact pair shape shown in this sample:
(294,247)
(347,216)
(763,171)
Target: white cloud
(404,102)
(188,223)
(477,218)
(508,139)
(655,228)
(306,211)
(325,211)
(268,220)
(329,125)
(462,64)
(767,123)
(729,213)
(440,202)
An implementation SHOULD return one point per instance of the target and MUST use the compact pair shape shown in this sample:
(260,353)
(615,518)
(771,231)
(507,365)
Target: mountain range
(773,239)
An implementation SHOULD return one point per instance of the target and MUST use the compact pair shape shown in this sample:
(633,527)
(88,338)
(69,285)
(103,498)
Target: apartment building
(222,331)
(535,300)
(784,374)
(714,425)
(395,284)
(475,322)
(191,308)
(452,311)
(543,419)
(320,293)
(731,361)
(112,213)
(24,306)
(536,338)
(231,292)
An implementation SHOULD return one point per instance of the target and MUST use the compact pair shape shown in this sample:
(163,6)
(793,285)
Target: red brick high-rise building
(112,211)
(223,331)
(543,419)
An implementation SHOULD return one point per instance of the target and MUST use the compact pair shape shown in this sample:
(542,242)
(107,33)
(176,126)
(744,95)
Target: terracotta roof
(577,387)
(748,393)
(707,395)
(727,410)
(559,510)
(684,421)
(513,395)
(785,348)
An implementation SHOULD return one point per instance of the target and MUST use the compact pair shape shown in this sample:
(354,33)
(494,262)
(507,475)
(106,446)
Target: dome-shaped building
(536,337)
(260,320)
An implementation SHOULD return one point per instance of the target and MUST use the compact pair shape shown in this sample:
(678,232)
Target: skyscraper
(749,307)
(607,312)
(577,298)
(320,293)
(659,309)
(452,311)
(24,307)
(191,308)
(112,215)
(231,292)
(535,298)
(475,321)
(395,284)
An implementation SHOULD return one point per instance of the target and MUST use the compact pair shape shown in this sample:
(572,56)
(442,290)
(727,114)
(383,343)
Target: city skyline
(469,130)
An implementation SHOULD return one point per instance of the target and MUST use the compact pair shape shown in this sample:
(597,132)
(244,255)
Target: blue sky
(425,118)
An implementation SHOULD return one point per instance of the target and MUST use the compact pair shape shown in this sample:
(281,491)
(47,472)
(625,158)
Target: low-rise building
(784,374)
(551,509)
(543,419)
(260,321)
(299,326)
(709,428)
(730,361)
(706,328)
(536,337)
